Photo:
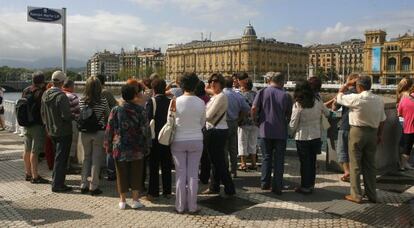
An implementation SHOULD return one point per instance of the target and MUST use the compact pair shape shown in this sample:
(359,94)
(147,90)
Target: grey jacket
(56,113)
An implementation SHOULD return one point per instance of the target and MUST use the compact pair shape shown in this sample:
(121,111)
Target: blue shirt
(237,104)
(274,108)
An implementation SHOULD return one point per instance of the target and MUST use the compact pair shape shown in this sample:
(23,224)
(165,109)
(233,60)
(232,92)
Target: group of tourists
(210,126)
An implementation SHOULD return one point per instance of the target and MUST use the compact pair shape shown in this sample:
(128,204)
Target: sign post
(54,16)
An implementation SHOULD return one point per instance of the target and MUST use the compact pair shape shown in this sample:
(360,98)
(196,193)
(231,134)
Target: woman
(403,90)
(247,131)
(126,139)
(215,136)
(187,146)
(306,125)
(205,167)
(92,140)
(405,107)
(160,154)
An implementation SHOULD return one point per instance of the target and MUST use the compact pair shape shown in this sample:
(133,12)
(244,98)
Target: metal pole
(64,40)
(288,72)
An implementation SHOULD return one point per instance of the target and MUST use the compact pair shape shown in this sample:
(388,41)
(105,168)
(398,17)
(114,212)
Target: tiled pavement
(23,204)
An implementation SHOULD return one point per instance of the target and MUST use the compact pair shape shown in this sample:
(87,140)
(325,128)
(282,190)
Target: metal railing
(10,117)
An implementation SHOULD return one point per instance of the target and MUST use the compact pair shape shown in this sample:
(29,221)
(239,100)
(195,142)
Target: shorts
(342,146)
(1,110)
(34,139)
(247,139)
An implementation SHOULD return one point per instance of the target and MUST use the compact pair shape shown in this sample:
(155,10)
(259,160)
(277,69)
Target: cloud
(210,11)
(338,32)
(85,35)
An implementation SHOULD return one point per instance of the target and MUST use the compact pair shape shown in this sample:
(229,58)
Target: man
(112,102)
(343,132)
(273,106)
(237,107)
(174,91)
(34,136)
(57,116)
(366,117)
(68,89)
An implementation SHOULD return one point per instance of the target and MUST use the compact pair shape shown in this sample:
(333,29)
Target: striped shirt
(101,110)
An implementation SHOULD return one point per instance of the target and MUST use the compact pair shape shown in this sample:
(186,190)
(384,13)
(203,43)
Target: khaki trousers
(362,148)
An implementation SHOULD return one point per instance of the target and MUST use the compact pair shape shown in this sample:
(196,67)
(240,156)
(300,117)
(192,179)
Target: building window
(405,64)
(391,64)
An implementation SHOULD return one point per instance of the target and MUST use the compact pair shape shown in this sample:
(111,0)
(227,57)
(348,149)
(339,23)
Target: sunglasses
(213,80)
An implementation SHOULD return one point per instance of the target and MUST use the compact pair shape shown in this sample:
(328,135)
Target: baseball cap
(58,76)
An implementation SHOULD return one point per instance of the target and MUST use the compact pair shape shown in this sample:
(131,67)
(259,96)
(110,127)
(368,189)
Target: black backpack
(88,122)
(24,110)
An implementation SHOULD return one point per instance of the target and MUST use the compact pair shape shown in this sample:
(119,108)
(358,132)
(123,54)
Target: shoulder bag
(167,133)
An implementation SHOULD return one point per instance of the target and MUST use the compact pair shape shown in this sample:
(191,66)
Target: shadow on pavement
(271,214)
(43,216)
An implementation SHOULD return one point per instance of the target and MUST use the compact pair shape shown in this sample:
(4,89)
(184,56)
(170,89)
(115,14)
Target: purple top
(274,108)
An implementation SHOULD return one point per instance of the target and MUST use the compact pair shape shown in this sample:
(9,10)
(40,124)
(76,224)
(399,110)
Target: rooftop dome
(249,31)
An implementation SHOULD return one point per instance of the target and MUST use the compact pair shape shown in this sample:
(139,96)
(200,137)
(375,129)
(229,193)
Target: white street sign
(46,15)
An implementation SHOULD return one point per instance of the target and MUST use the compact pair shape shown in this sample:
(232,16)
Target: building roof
(249,31)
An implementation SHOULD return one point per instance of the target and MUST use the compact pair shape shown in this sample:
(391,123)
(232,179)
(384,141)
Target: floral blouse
(127,135)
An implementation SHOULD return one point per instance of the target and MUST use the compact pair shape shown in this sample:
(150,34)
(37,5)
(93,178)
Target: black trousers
(205,165)
(408,143)
(307,151)
(215,146)
(61,146)
(160,155)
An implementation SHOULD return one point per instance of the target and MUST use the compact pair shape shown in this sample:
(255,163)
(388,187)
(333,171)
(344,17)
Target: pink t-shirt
(406,110)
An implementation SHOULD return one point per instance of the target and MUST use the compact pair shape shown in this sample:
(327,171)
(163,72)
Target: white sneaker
(122,205)
(136,204)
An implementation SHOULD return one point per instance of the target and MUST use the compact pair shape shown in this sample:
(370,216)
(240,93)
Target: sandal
(345,178)
(243,168)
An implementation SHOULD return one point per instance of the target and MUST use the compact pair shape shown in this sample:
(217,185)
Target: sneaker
(39,180)
(122,205)
(136,204)
(96,192)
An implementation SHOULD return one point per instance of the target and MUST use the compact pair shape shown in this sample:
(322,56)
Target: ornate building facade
(388,61)
(105,62)
(138,62)
(338,59)
(246,54)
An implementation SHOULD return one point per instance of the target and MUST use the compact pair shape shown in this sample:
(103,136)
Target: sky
(95,25)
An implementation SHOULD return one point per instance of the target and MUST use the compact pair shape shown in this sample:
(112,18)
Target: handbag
(152,122)
(167,133)
(207,132)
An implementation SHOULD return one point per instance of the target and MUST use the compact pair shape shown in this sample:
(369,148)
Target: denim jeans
(62,150)
(273,151)
(307,151)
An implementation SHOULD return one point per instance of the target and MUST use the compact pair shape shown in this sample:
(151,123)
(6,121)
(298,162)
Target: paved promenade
(24,205)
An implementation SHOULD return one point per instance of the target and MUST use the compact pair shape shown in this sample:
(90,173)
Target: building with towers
(249,54)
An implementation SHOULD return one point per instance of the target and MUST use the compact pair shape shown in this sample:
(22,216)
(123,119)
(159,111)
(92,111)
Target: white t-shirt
(190,118)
